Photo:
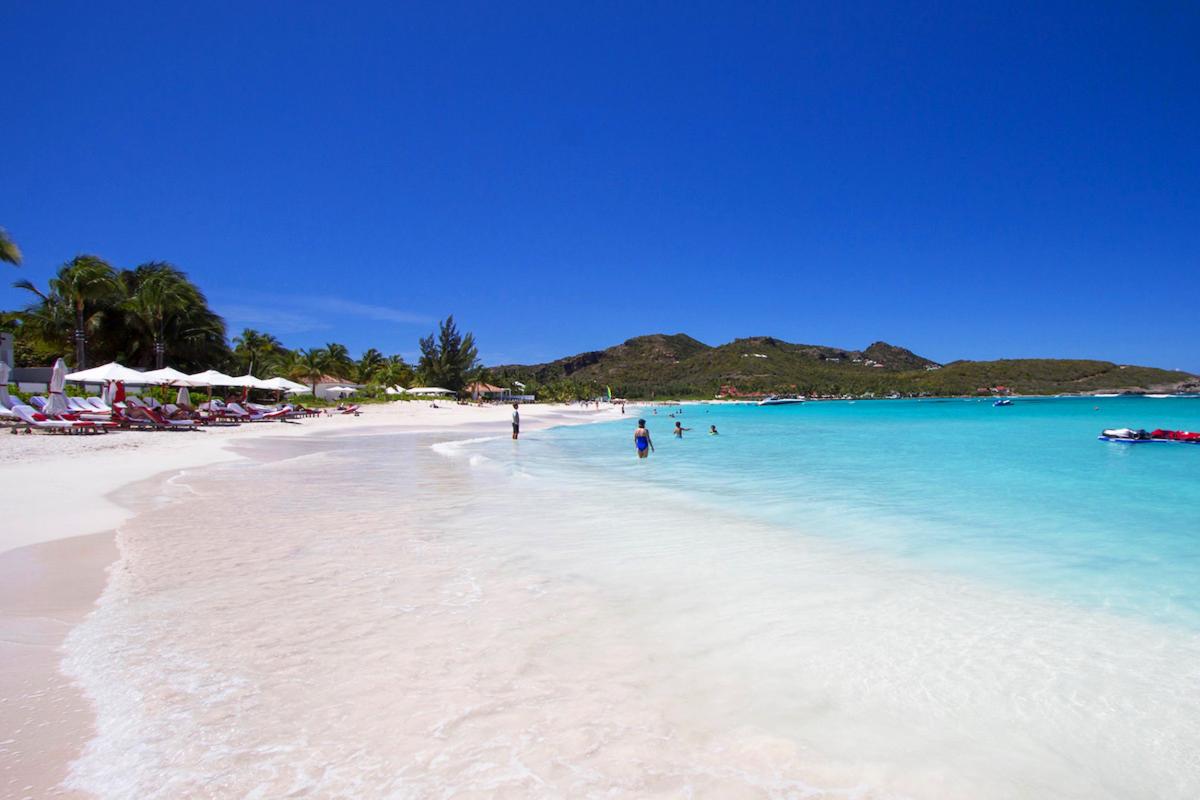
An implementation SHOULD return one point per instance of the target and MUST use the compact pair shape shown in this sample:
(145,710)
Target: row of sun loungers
(91,415)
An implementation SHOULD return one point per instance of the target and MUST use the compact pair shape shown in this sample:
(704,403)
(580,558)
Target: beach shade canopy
(427,390)
(3,374)
(284,385)
(58,382)
(341,389)
(167,376)
(394,390)
(251,382)
(105,373)
(211,377)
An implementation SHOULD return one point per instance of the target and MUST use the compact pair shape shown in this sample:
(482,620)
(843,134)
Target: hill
(661,365)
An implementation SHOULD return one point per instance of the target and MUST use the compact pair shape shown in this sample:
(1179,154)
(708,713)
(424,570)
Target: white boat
(780,400)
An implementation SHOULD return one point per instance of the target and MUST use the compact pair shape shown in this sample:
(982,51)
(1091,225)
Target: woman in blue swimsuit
(641,440)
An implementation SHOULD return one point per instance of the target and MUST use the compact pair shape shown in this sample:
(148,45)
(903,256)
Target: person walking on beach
(641,440)
(516,422)
(679,429)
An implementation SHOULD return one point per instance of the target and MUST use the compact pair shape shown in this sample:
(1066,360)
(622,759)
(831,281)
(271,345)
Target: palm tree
(83,284)
(368,366)
(337,360)
(311,366)
(255,350)
(162,292)
(394,372)
(8,249)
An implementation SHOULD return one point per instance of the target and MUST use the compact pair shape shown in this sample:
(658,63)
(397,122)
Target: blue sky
(968,180)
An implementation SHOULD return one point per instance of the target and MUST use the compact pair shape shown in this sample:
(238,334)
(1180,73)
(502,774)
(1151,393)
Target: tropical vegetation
(678,366)
(9,252)
(449,359)
(154,315)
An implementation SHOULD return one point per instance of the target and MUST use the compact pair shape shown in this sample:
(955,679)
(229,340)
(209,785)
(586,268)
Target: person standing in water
(679,429)
(641,440)
(712,430)
(516,421)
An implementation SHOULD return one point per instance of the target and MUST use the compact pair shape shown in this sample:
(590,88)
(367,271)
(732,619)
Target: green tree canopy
(449,359)
(9,251)
(70,309)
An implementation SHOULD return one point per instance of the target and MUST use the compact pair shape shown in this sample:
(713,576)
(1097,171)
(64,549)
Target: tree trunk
(80,350)
(160,353)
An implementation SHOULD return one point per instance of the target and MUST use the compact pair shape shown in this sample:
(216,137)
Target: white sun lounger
(29,415)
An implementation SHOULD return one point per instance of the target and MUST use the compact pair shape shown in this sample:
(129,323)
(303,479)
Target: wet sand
(45,589)
(51,576)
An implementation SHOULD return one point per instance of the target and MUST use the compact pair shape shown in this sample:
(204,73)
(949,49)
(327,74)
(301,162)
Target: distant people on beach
(679,429)
(516,421)
(641,440)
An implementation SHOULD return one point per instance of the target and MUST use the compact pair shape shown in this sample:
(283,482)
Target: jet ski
(1142,436)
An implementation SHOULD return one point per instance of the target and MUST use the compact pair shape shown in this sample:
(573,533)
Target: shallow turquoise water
(1023,496)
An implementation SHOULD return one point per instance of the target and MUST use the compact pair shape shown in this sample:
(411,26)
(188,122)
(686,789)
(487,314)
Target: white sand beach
(60,498)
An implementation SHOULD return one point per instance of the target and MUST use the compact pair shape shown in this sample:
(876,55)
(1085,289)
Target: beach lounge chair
(72,415)
(98,404)
(142,417)
(254,416)
(33,418)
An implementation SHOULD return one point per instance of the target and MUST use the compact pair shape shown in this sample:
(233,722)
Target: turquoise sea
(1023,496)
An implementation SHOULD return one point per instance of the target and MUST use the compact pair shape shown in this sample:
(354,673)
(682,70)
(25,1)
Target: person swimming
(641,440)
(679,429)
(712,430)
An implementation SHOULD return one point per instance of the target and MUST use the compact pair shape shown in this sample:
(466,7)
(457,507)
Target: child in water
(712,430)
(679,429)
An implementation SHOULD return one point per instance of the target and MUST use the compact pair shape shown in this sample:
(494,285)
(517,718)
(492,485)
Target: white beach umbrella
(211,377)
(183,397)
(284,385)
(427,390)
(251,382)
(107,372)
(167,376)
(58,382)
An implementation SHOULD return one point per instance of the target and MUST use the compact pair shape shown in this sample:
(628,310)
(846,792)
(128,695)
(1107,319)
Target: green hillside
(661,365)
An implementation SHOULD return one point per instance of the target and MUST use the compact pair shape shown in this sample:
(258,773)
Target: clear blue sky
(970,180)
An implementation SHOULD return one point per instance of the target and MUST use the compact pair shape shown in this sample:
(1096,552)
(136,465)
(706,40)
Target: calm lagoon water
(877,599)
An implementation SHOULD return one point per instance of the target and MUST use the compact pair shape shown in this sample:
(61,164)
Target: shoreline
(55,556)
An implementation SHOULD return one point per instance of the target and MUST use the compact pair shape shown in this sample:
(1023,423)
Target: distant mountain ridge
(677,365)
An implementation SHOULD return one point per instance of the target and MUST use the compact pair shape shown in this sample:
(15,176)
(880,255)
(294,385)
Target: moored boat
(1142,436)
(781,400)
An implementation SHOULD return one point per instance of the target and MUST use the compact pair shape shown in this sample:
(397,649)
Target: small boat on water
(1158,435)
(781,400)
(1003,401)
